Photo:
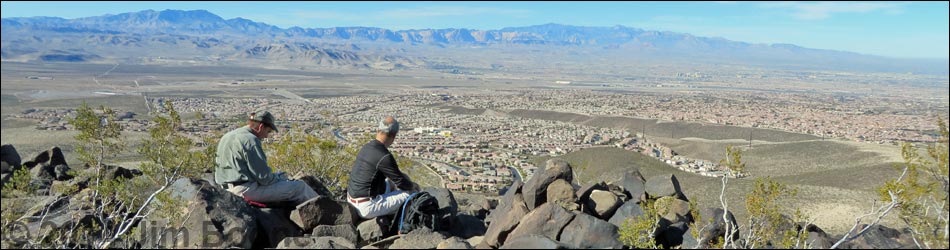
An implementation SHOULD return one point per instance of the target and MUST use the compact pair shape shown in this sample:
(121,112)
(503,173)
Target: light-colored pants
(295,191)
(384,204)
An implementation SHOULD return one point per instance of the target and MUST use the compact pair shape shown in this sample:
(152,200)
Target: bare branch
(882,212)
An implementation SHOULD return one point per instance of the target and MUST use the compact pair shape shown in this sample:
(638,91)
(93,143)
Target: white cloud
(824,10)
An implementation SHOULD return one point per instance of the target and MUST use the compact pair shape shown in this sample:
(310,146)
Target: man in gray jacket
(242,166)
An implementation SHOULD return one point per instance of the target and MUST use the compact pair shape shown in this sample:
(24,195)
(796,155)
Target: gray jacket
(240,158)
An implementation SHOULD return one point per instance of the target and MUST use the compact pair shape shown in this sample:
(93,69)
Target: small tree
(300,153)
(733,163)
(640,232)
(765,216)
(921,192)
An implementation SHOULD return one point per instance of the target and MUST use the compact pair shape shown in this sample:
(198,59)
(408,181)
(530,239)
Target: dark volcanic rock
(347,232)
(664,186)
(583,194)
(507,203)
(10,158)
(535,190)
(588,232)
(323,211)
(315,243)
(371,230)
(674,210)
(275,226)
(880,237)
(547,220)
(499,230)
(633,184)
(454,243)
(533,242)
(629,209)
(448,207)
(422,238)
(561,192)
(672,235)
(603,203)
(216,219)
(712,225)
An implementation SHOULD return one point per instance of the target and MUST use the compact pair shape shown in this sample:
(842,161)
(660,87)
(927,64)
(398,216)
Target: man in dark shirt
(376,186)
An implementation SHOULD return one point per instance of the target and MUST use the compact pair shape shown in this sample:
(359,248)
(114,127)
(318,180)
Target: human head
(386,130)
(261,123)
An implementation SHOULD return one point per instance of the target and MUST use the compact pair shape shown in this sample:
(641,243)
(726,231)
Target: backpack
(420,210)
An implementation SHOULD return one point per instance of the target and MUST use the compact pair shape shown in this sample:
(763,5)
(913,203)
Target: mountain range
(202,33)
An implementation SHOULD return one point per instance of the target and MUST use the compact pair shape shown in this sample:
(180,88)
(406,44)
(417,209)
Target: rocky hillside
(549,211)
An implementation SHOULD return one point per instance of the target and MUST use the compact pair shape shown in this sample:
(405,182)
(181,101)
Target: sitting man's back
(241,166)
(369,191)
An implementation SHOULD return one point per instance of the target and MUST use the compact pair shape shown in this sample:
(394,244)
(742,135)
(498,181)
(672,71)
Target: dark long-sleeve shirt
(374,164)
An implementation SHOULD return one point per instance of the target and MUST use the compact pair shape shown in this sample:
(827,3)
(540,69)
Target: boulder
(547,220)
(583,194)
(499,230)
(476,241)
(603,204)
(423,238)
(619,192)
(448,206)
(674,210)
(214,218)
(712,226)
(323,211)
(467,226)
(561,192)
(690,242)
(453,243)
(817,238)
(61,173)
(880,237)
(588,232)
(371,230)
(316,185)
(10,159)
(507,203)
(672,236)
(110,172)
(4,178)
(664,186)
(56,157)
(629,209)
(633,184)
(347,232)
(535,190)
(41,158)
(275,226)
(42,172)
(533,242)
(315,243)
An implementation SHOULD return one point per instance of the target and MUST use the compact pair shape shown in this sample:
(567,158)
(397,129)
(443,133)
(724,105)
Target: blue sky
(895,29)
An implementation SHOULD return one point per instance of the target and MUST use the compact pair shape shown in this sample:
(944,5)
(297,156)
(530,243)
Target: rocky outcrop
(603,203)
(9,159)
(712,225)
(215,218)
(629,209)
(323,211)
(315,243)
(588,232)
(534,242)
(275,226)
(561,192)
(535,190)
(664,186)
(423,238)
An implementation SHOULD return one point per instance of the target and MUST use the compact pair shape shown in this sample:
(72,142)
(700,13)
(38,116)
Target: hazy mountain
(204,33)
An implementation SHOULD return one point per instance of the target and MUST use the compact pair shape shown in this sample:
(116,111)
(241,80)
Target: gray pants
(296,191)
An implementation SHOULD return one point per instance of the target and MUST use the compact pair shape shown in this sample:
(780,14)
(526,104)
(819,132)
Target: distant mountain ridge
(239,32)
